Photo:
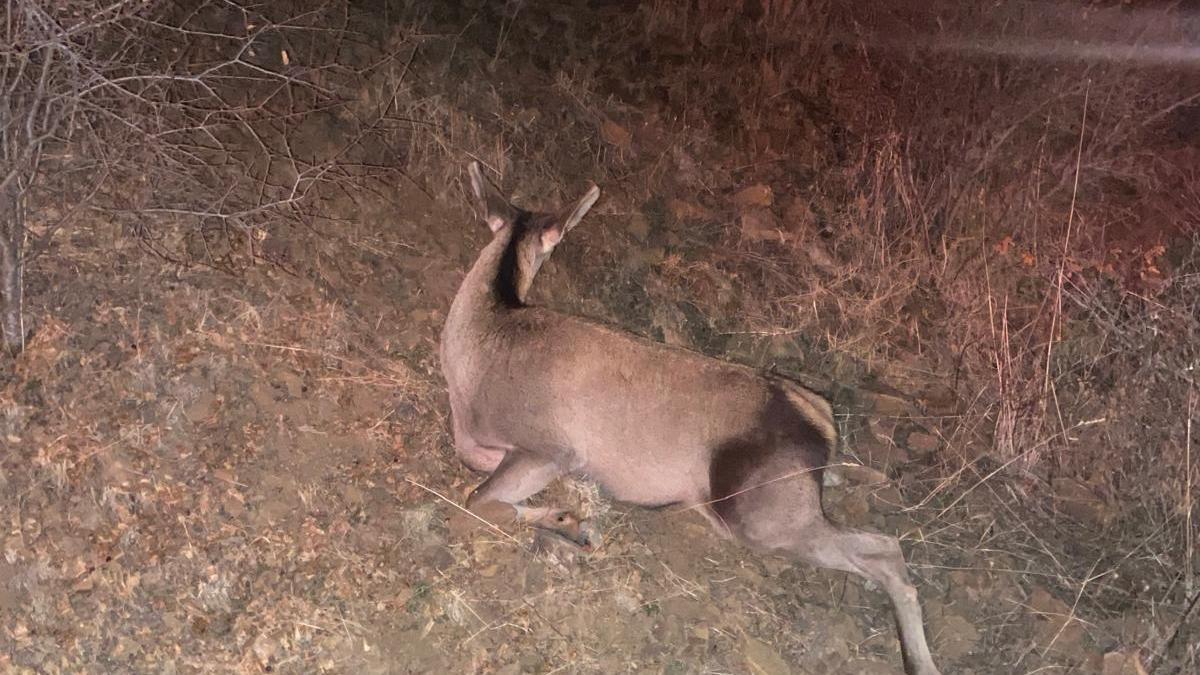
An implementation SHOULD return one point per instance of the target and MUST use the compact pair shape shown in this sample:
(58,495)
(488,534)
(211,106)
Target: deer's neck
(489,288)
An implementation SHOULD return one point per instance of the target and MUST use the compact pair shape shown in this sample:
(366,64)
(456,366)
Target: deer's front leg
(521,475)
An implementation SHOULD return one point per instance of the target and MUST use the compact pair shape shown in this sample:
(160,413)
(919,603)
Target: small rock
(776,565)
(201,407)
(648,256)
(886,403)
(881,453)
(626,601)
(836,635)
(685,211)
(669,322)
(855,507)
(923,443)
(863,475)
(755,195)
(956,637)
(531,663)
(85,514)
(535,578)
(438,557)
(886,499)
(971,586)
(1122,663)
(1054,624)
(291,382)
(939,399)
(233,505)
(820,258)
(883,428)
(784,346)
(264,649)
(763,659)
(1079,501)
(422,317)
(799,214)
(639,227)
(760,225)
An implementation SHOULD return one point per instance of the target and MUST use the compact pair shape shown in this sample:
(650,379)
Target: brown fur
(535,395)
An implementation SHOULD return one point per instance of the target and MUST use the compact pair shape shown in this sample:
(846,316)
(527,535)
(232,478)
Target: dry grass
(1012,245)
(784,184)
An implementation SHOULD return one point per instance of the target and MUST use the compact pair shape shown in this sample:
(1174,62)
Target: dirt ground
(206,471)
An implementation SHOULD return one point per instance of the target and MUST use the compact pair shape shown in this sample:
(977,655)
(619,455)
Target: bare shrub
(989,206)
(162,114)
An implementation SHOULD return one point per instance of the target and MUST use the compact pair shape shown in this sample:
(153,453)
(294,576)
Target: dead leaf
(763,659)
(685,211)
(617,135)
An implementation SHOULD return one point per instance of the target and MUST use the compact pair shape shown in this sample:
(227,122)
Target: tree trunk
(12,240)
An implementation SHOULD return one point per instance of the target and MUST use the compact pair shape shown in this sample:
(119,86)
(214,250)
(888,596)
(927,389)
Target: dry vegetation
(225,443)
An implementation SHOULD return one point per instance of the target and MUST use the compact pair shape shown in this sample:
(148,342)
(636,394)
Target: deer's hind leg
(476,456)
(876,557)
(775,506)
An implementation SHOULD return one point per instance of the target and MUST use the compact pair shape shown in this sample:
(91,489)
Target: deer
(536,395)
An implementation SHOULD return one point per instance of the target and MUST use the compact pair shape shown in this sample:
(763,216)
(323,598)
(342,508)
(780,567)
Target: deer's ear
(494,209)
(568,219)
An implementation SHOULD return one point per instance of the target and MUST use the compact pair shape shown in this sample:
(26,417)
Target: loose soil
(252,471)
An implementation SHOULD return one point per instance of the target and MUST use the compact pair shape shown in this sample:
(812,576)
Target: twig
(1062,263)
(1075,605)
(786,476)
(451,502)
(1188,533)
(1158,657)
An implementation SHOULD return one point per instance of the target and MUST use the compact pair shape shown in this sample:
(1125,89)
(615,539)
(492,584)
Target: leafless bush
(161,113)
